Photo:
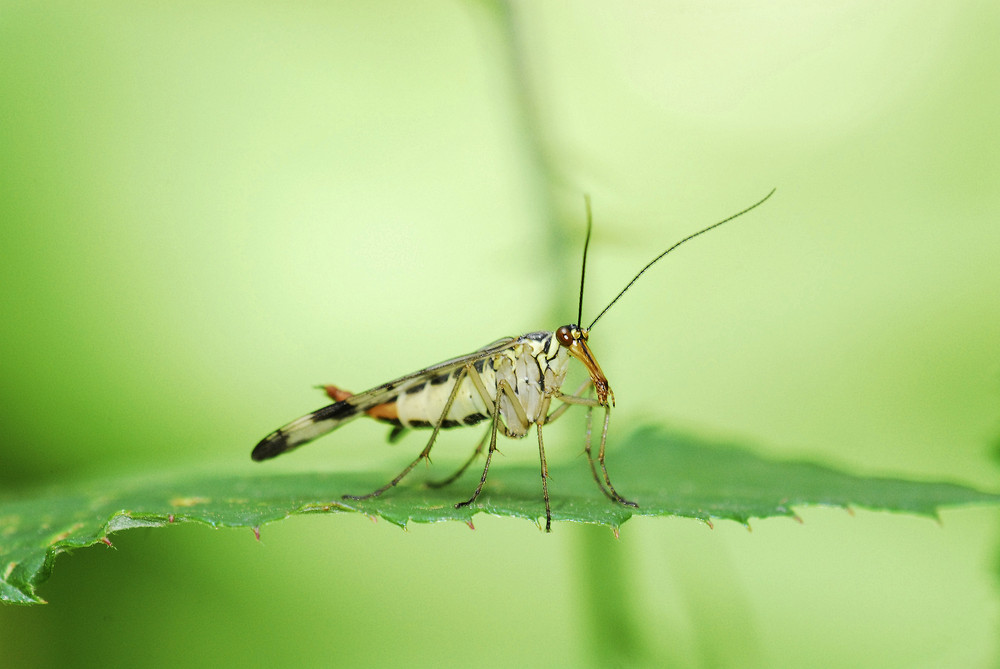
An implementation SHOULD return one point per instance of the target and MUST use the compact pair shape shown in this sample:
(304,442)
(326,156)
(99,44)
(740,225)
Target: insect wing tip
(270,446)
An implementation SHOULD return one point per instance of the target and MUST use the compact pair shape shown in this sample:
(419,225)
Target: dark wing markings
(316,424)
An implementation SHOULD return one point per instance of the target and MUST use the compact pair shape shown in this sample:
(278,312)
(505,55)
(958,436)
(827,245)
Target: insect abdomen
(422,405)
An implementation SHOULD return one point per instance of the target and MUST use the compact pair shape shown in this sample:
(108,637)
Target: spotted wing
(329,418)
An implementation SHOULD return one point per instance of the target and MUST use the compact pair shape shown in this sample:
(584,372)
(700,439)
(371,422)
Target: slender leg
(545,479)
(424,454)
(461,470)
(589,402)
(503,388)
(566,404)
(590,456)
(600,457)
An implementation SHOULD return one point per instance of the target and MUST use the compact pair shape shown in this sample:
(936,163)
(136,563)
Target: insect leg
(519,415)
(590,403)
(424,454)
(477,383)
(545,478)
(548,418)
(461,470)
(503,388)
(566,405)
(590,456)
(600,458)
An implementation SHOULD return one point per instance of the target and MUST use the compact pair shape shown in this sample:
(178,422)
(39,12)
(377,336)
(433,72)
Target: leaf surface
(668,474)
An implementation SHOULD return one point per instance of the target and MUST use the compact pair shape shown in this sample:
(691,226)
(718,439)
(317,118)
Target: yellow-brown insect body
(512,382)
(533,364)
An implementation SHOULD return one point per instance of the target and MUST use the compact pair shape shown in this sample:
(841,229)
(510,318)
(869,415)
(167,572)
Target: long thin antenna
(583,270)
(653,261)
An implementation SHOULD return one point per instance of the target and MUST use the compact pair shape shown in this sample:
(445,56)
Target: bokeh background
(206,209)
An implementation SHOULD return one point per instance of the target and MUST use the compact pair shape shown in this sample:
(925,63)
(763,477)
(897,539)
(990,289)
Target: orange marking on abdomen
(382,411)
(337,394)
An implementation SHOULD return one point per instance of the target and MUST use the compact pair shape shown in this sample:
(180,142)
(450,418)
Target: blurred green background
(206,209)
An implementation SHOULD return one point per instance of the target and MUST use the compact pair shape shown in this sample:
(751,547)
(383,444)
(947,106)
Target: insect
(511,382)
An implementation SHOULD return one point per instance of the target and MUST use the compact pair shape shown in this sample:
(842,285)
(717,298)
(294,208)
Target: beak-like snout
(579,350)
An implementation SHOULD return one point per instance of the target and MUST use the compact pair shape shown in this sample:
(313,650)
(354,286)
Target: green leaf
(666,473)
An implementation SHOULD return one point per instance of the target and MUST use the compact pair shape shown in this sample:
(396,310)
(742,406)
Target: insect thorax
(534,364)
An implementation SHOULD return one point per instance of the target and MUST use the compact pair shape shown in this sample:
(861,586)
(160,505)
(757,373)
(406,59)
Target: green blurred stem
(612,628)
(608,613)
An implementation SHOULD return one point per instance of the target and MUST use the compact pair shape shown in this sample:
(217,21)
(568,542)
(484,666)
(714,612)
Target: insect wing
(329,418)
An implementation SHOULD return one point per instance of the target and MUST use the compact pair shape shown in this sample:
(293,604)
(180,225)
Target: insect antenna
(583,270)
(653,261)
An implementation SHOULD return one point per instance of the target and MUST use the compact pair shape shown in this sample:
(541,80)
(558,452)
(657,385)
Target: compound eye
(565,335)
